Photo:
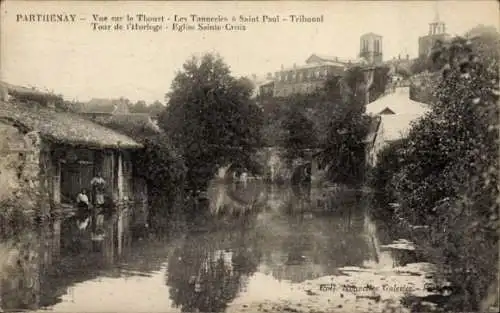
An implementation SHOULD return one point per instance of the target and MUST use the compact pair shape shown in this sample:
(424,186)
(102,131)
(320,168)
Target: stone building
(49,156)
(307,78)
(371,48)
(437,32)
(392,115)
(311,76)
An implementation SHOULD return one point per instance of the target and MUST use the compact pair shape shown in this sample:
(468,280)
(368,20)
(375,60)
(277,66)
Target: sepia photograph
(249,156)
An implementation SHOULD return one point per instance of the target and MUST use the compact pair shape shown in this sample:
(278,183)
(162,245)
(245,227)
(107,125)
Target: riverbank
(354,289)
(456,282)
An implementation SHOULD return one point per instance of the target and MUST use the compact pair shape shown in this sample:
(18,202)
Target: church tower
(437,31)
(371,48)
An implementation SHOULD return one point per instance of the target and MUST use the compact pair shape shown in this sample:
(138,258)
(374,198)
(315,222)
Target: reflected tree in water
(205,275)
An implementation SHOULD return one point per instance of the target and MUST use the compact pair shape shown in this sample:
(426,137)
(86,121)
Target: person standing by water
(83,216)
(98,192)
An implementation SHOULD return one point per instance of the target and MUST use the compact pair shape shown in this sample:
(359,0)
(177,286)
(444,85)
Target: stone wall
(19,173)
(20,202)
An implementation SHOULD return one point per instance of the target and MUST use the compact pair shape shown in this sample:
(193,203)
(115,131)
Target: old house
(54,155)
(393,115)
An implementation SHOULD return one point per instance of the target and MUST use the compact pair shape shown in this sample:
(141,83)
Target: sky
(73,60)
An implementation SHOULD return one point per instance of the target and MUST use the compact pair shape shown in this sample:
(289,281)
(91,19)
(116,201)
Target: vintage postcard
(249,156)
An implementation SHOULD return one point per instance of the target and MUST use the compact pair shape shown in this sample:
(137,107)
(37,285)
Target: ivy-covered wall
(19,202)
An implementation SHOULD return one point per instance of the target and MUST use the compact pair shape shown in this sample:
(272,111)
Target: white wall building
(396,112)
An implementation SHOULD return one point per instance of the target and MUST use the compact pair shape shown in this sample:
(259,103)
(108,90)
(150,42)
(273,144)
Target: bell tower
(371,48)
(436,27)
(437,31)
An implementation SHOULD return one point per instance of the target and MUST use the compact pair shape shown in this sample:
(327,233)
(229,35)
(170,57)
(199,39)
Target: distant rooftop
(103,105)
(314,65)
(398,102)
(370,34)
(334,59)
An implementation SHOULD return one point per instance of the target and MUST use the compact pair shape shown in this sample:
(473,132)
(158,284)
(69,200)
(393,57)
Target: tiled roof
(15,91)
(343,61)
(67,128)
(399,102)
(135,125)
(335,69)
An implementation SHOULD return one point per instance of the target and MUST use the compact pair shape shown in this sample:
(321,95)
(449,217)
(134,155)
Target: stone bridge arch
(277,168)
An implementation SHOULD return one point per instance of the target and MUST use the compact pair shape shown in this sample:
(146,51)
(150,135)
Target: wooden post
(120,175)
(56,182)
(122,210)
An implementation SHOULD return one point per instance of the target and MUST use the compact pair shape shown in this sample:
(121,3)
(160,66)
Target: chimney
(399,56)
(407,57)
(282,67)
(254,76)
(269,75)
(294,65)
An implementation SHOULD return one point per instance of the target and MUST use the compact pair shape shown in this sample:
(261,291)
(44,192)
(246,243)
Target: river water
(262,248)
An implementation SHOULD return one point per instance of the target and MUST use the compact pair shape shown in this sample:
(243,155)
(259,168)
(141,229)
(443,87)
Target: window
(365,45)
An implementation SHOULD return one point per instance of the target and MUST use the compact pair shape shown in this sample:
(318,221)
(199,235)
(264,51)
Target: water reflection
(207,272)
(249,235)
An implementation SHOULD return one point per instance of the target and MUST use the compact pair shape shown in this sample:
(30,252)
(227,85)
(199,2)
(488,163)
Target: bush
(164,172)
(389,162)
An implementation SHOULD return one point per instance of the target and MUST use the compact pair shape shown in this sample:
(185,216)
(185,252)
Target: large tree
(211,118)
(299,132)
(348,125)
(139,107)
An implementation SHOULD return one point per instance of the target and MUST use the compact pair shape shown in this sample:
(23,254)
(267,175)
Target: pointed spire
(437,26)
(436,13)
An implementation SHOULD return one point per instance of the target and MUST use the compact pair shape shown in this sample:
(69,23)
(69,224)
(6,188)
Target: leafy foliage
(164,171)
(389,162)
(153,109)
(447,176)
(344,146)
(331,118)
(300,132)
(421,64)
(211,118)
